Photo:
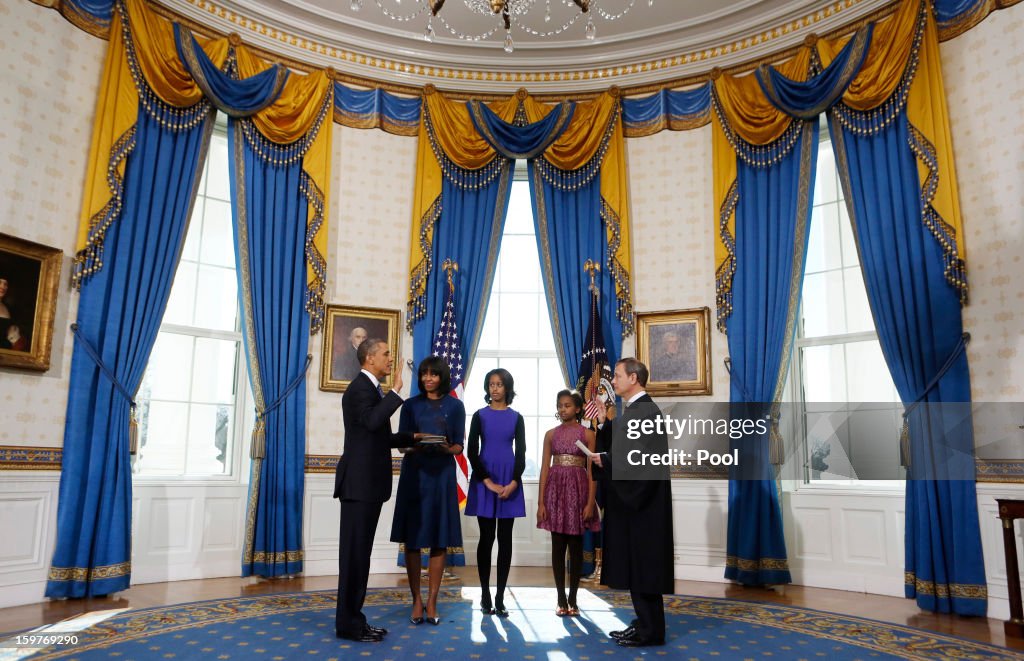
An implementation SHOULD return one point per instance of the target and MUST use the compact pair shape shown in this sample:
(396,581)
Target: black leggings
(559,544)
(483,554)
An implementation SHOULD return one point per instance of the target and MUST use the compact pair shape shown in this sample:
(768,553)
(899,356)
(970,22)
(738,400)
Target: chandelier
(512,12)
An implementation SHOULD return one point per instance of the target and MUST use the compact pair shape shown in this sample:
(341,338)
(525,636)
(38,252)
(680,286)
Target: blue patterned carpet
(301,626)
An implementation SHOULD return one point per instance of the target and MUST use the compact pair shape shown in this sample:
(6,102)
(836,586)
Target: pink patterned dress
(565,494)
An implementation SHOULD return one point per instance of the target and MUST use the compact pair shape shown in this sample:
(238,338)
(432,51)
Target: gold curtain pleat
(748,111)
(157,55)
(927,112)
(891,46)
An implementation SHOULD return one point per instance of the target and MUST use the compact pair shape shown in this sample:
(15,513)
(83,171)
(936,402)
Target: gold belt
(568,460)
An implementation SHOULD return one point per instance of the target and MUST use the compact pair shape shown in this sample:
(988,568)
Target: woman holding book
(427,504)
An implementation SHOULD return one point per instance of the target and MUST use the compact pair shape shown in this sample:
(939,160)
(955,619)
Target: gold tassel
(259,439)
(133,432)
(776,448)
(905,444)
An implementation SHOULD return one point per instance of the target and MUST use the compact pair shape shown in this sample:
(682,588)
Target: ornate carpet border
(897,640)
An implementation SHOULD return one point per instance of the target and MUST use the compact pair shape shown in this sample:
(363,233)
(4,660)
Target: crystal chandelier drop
(511,12)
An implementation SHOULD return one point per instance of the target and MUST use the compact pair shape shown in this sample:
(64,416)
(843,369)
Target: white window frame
(243,413)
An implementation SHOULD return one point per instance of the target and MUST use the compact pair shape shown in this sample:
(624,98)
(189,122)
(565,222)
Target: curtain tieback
(259,432)
(960,347)
(133,423)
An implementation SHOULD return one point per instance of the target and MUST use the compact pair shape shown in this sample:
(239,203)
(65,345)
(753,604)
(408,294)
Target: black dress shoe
(434,620)
(364,636)
(625,633)
(500,610)
(635,641)
(380,631)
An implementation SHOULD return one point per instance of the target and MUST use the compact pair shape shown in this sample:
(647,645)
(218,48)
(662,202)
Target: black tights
(559,544)
(483,556)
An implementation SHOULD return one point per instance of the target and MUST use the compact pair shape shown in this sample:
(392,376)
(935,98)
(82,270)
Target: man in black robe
(638,553)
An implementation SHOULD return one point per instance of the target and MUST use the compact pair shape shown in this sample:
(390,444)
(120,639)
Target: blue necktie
(380,390)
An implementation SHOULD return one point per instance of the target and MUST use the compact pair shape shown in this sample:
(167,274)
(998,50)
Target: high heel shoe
(499,609)
(434,620)
(416,620)
(485,605)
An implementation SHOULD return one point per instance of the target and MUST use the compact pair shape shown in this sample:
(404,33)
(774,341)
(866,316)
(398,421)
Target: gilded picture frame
(345,328)
(676,347)
(29,277)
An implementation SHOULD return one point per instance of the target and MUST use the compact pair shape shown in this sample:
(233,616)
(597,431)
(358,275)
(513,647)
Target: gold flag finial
(450,266)
(592,267)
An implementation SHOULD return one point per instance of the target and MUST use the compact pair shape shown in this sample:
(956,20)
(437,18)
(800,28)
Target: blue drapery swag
(118,320)
(772,206)
(270,196)
(570,220)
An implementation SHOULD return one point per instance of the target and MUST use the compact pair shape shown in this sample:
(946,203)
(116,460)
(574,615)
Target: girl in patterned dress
(565,500)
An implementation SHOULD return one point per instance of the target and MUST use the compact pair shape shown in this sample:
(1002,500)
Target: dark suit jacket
(364,470)
(638,536)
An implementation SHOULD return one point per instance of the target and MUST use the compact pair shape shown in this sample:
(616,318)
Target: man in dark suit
(363,482)
(638,554)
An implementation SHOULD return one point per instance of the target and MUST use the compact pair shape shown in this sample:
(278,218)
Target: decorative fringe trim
(955,269)
(623,290)
(168,117)
(317,289)
(870,122)
(759,156)
(462,177)
(87,574)
(280,155)
(416,307)
(945,590)
(726,271)
(89,259)
(277,557)
(760,564)
(571,180)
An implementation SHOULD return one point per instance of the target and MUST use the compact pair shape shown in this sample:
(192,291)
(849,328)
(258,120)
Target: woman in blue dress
(497,452)
(427,504)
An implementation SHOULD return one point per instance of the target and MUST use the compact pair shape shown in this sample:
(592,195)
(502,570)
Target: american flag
(448,347)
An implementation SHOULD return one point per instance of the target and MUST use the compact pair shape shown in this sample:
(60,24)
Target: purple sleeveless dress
(497,453)
(565,494)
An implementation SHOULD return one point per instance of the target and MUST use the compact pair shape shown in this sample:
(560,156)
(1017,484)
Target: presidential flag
(448,346)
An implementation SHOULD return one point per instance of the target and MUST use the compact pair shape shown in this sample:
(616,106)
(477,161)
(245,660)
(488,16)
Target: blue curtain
(772,215)
(570,231)
(270,212)
(569,220)
(119,315)
(468,231)
(917,314)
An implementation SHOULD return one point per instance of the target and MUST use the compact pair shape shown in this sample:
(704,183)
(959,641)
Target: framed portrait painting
(676,347)
(29,273)
(345,329)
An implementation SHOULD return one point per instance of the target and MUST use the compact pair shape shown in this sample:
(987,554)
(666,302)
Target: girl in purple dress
(565,499)
(497,452)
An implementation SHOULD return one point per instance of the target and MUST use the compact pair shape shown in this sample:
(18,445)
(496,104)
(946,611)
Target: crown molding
(647,60)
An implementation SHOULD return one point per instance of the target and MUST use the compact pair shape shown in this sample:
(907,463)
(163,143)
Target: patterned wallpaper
(673,235)
(45,121)
(370,220)
(984,75)
(49,74)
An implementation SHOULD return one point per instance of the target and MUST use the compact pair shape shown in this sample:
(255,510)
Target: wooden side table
(1009,510)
